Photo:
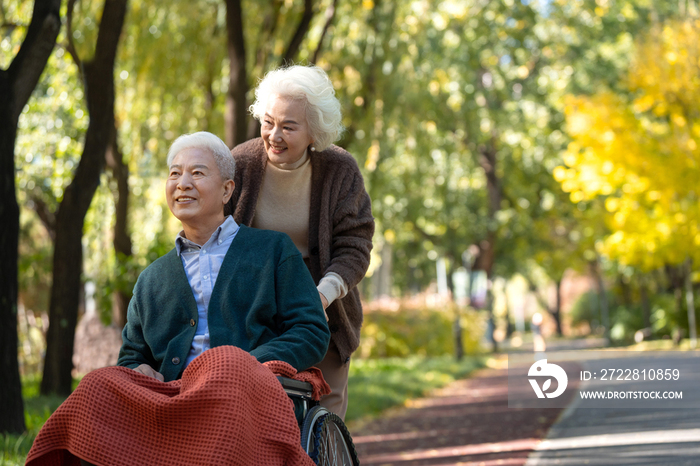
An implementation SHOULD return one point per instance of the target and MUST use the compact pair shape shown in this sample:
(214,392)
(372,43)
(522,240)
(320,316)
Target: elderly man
(247,288)
(202,319)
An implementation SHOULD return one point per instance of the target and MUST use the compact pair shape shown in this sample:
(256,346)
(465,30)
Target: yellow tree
(643,155)
(641,152)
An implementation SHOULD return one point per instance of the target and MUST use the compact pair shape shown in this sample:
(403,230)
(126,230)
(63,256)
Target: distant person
(293,179)
(224,300)
(539,345)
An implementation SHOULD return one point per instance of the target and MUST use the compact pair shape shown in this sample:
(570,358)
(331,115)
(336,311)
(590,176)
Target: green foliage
(418,332)
(665,318)
(586,309)
(378,384)
(625,320)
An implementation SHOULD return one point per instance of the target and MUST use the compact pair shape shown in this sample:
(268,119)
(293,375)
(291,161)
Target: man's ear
(228,190)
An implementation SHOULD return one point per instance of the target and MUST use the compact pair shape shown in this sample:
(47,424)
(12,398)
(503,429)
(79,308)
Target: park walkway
(466,423)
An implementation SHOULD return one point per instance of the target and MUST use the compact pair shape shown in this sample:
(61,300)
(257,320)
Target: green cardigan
(264,301)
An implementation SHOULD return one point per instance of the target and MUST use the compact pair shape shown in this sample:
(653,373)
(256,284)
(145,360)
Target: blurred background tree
(637,150)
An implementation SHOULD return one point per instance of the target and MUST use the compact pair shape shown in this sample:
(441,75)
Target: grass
(661,345)
(374,386)
(379,384)
(37,409)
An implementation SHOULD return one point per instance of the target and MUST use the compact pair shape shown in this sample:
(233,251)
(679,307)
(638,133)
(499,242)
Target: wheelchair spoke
(327,440)
(335,446)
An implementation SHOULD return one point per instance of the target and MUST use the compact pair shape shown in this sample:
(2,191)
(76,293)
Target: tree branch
(330,16)
(267,30)
(11,25)
(432,238)
(26,68)
(47,217)
(70,45)
(298,38)
(540,299)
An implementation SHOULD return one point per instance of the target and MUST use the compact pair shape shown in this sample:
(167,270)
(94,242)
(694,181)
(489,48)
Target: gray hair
(204,140)
(311,84)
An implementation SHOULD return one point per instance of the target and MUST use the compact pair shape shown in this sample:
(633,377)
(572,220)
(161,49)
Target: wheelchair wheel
(326,440)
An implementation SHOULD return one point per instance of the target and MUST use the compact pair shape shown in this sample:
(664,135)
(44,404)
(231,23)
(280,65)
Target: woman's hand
(324,301)
(145,369)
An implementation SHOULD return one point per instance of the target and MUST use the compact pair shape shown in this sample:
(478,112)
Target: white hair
(312,85)
(204,140)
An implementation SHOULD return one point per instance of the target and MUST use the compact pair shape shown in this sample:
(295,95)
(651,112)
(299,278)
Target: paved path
(625,435)
(467,423)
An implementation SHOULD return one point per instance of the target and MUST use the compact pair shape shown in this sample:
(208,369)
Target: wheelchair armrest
(296,386)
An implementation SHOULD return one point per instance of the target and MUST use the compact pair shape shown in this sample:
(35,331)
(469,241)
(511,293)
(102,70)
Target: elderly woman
(294,180)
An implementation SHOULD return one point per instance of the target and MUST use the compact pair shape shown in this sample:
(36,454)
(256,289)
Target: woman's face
(284,130)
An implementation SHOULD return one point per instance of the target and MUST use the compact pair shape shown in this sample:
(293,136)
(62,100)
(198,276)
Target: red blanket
(227,409)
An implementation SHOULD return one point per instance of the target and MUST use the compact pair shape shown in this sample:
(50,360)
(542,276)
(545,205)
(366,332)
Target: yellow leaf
(559,173)
(612,204)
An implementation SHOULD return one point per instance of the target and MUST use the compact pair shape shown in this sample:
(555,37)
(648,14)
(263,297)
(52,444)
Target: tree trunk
(65,289)
(602,297)
(487,250)
(644,297)
(236,104)
(492,316)
(457,324)
(122,238)
(384,272)
(625,289)
(67,259)
(690,303)
(676,279)
(556,313)
(17,84)
(544,302)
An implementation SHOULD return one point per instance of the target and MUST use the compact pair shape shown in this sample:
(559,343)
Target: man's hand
(145,369)
(324,301)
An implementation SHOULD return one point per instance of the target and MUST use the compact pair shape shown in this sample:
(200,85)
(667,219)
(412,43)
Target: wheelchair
(324,436)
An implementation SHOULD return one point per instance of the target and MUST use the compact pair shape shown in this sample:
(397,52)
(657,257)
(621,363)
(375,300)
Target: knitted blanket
(228,409)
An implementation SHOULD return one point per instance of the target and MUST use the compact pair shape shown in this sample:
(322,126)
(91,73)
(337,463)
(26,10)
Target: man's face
(195,190)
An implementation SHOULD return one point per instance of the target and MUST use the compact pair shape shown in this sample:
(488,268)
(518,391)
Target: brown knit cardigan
(340,226)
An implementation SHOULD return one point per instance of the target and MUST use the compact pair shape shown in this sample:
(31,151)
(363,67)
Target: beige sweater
(283,205)
(283,202)
(340,226)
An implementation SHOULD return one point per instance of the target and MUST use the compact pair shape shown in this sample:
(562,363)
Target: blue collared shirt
(202,265)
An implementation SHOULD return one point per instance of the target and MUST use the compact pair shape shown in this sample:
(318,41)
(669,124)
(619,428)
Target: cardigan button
(333,328)
(176,360)
(192,323)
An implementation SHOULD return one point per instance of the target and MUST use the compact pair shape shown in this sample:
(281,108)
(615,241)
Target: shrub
(418,332)
(626,320)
